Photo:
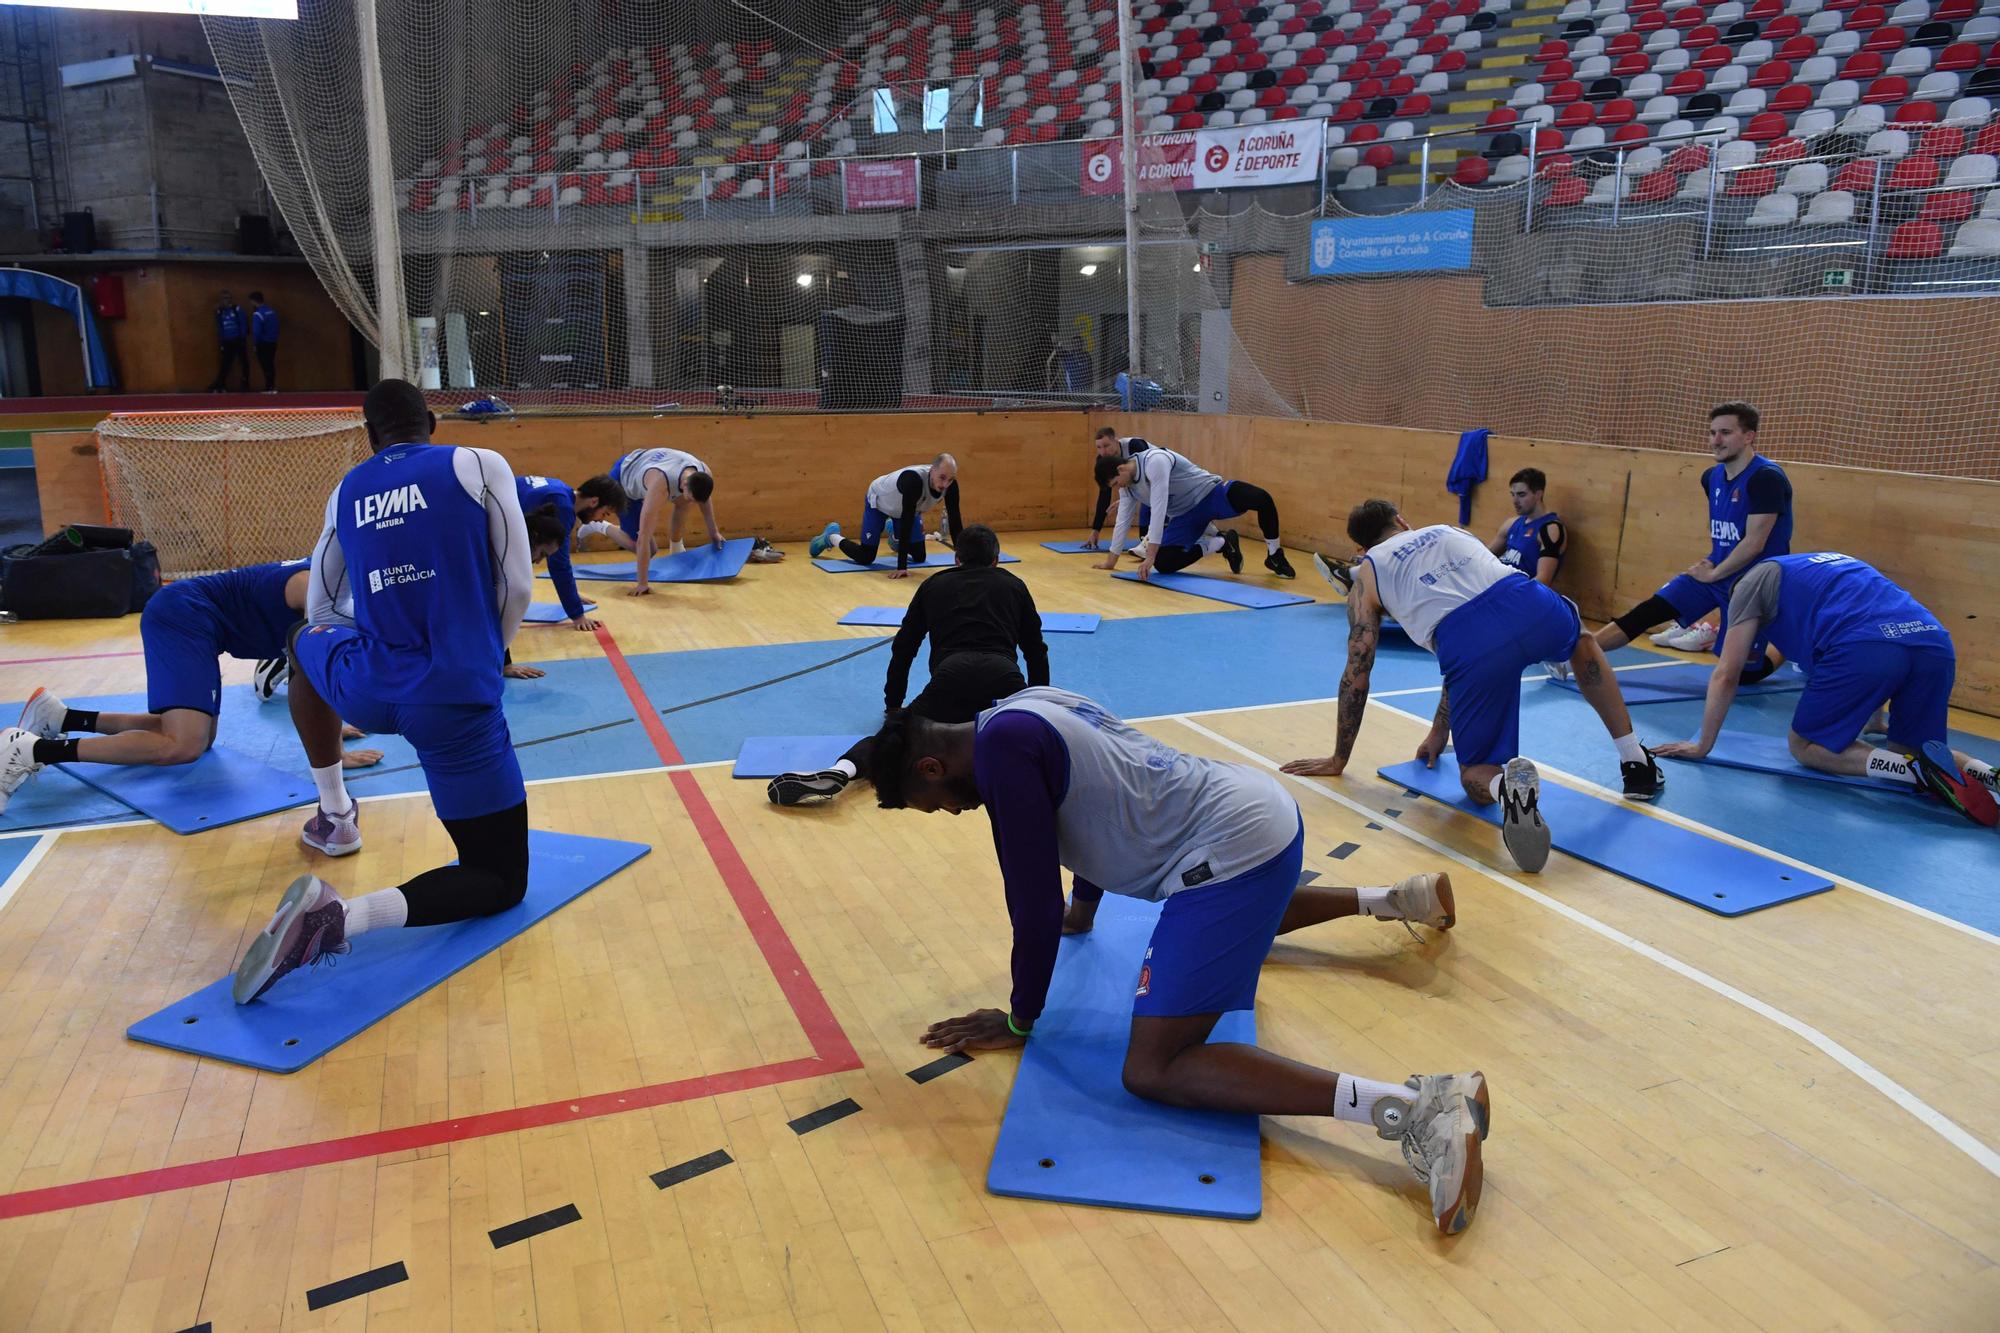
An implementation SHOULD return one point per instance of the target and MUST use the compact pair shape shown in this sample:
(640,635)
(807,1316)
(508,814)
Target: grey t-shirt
(1755,596)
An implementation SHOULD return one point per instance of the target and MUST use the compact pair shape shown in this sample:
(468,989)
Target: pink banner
(891,183)
(1166,162)
(1279,153)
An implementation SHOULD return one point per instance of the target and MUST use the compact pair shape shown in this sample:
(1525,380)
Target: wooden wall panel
(67,480)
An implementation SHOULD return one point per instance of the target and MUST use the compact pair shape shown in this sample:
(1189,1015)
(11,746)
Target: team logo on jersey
(390,504)
(378,579)
(1146,974)
(1724,531)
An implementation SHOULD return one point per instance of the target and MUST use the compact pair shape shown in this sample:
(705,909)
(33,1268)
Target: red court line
(80,657)
(832,1051)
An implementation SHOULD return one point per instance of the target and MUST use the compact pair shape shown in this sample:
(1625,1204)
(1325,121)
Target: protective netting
(218,490)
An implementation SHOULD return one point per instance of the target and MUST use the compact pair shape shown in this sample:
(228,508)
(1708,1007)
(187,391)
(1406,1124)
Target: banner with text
(1412,243)
(1284,153)
(886,183)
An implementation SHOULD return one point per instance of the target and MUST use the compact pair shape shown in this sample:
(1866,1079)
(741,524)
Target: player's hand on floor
(1079,917)
(1091,543)
(1108,562)
(639,590)
(899,573)
(1681,750)
(1330,767)
(516,671)
(1145,570)
(350,732)
(360,758)
(586,623)
(980,1030)
(1431,747)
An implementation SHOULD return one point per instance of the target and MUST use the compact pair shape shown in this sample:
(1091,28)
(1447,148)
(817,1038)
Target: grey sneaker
(309,926)
(807,788)
(1521,826)
(335,835)
(1440,1129)
(1338,573)
(43,714)
(17,762)
(1425,900)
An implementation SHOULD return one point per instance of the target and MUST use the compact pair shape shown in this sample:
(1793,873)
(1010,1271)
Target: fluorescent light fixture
(804,280)
(243,9)
(1088,270)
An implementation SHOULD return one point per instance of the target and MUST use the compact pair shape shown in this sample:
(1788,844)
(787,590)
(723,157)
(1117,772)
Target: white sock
(1271,545)
(1354,1098)
(384,909)
(1375,903)
(847,766)
(1890,767)
(1210,545)
(675,548)
(333,797)
(1629,749)
(1980,771)
(1493,787)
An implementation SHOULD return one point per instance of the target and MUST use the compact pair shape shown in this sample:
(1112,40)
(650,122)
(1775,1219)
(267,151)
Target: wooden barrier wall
(1636,516)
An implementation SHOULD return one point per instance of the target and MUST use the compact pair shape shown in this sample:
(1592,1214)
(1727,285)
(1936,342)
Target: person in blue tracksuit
(231,330)
(555,499)
(1864,642)
(264,337)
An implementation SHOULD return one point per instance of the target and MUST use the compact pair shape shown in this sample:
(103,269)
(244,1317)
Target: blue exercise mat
(1053,622)
(768,756)
(887,561)
(1615,836)
(1252,595)
(1770,754)
(551,613)
(1072,548)
(1689,680)
(222,787)
(307,1014)
(697,564)
(1072,1134)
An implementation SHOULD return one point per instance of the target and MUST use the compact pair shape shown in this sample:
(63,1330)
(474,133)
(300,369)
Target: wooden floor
(1784,1121)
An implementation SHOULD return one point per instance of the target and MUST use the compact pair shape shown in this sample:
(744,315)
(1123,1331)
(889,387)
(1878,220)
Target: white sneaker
(1521,826)
(1556,670)
(17,762)
(1696,638)
(1665,638)
(1440,1130)
(1425,900)
(43,714)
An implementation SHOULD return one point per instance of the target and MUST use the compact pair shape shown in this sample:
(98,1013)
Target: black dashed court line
(694,1166)
(203,1327)
(515,1232)
(359,1285)
(1345,850)
(1307,877)
(1393,812)
(826,1115)
(944,1064)
(1376,827)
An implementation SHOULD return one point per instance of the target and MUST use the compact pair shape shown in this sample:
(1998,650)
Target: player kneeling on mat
(1486,623)
(1067,784)
(977,616)
(1862,641)
(1185,503)
(186,627)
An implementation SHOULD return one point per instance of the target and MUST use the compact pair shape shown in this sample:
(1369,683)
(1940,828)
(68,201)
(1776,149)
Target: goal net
(219,490)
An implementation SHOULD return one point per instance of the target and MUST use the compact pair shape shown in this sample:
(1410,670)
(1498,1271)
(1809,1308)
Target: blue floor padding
(1072,1134)
(551,613)
(1715,876)
(1254,596)
(220,788)
(768,756)
(1689,680)
(13,851)
(1770,754)
(886,561)
(1053,622)
(697,564)
(307,1014)
(1073,547)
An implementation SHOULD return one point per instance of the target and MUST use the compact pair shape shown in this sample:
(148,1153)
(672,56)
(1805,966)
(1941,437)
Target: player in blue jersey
(1067,785)
(429,543)
(1535,541)
(558,502)
(186,627)
(1749,519)
(1864,642)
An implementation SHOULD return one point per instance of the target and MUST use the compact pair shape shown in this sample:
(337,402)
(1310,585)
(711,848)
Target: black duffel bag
(81,573)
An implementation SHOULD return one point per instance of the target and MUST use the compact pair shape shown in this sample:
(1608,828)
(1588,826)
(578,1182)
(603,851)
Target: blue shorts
(183,650)
(467,755)
(628,521)
(874,523)
(1849,683)
(1186,529)
(1484,645)
(1209,944)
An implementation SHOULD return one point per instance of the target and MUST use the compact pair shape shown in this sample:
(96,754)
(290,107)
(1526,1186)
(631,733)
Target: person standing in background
(230,331)
(264,336)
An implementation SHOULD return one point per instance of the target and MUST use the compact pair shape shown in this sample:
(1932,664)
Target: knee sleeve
(1172,558)
(1655,610)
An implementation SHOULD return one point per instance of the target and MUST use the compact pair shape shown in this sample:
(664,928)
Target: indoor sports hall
(1737,1039)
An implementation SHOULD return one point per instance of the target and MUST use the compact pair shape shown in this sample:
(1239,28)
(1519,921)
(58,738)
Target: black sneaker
(1643,782)
(1277,564)
(1337,572)
(807,788)
(1232,551)
(1521,827)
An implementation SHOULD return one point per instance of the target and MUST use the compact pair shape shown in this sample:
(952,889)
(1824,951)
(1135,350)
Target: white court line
(26,868)
(1946,1128)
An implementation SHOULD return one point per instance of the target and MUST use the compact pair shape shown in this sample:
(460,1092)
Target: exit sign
(1839,277)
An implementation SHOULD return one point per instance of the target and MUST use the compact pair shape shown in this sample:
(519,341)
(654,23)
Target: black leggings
(491,874)
(961,687)
(1243,498)
(1657,610)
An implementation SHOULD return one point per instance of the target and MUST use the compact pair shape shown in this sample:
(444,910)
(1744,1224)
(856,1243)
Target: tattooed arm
(1433,745)
(1364,614)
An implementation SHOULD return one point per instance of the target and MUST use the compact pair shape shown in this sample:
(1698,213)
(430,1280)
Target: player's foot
(1696,638)
(43,714)
(1939,773)
(1440,1130)
(17,762)
(309,925)
(828,535)
(1338,573)
(1556,670)
(1232,551)
(1425,900)
(335,835)
(1643,782)
(807,788)
(1666,636)
(1521,826)
(1277,564)
(763,553)
(271,673)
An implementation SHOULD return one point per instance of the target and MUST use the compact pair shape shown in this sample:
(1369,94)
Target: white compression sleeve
(487,479)
(1159,469)
(326,591)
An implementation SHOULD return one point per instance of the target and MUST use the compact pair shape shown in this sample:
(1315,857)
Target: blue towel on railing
(1468,469)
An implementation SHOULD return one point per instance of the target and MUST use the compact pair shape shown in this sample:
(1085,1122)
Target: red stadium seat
(1862,65)
(1765,126)
(1556,72)
(1914,173)
(1471,171)
(1193,120)
(1401,86)
(1554,165)
(1547,142)
(1949,206)
(1916,239)
(1569,90)
(1498,119)
(1350,110)
(1379,156)
(1414,106)
(1752,182)
(1651,20)
(1765,9)
(1889,88)
(1714,57)
(1655,187)
(1364,134)
(1624,44)
(1688,16)
(1554,50)
(1987,141)
(1772,74)
(1567,192)
(1632,64)
(1915,113)
(1794,98)
(1942,142)
(1797,48)
(1687,83)
(1951,11)
(1575,116)
(1271,98)
(1885,40)
(1784,29)
(1285,113)
(1959,56)
(1864,18)
(1783,150)
(1694,39)
(1368,90)
(1451,62)
(1857,177)
(1617,111)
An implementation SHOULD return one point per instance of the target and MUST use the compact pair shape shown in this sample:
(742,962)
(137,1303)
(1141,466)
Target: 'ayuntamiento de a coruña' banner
(1280,153)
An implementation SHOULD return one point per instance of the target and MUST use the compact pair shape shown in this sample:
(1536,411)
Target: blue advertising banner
(1415,242)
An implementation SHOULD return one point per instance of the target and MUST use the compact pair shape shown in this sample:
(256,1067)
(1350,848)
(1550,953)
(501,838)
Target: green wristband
(1019,1032)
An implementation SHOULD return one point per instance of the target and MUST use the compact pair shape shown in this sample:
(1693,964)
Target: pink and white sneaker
(335,835)
(309,926)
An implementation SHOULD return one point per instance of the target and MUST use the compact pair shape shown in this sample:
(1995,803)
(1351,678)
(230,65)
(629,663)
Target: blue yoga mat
(222,787)
(1072,548)
(768,756)
(1715,876)
(551,613)
(1072,1134)
(1689,680)
(315,1009)
(1251,595)
(697,564)
(1053,622)
(887,561)
(1770,754)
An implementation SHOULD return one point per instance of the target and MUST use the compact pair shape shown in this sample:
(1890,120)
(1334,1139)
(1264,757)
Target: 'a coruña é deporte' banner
(1285,152)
